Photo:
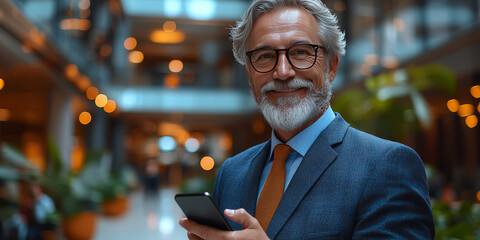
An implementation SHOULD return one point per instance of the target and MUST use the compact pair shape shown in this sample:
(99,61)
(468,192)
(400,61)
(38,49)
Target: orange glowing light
(478,195)
(130,43)
(135,57)
(110,107)
(207,163)
(471,121)
(101,100)
(84,4)
(478,107)
(453,105)
(172,80)
(2,84)
(75,24)
(71,71)
(83,83)
(159,36)
(85,118)
(77,157)
(475,91)
(175,66)
(226,142)
(92,93)
(33,150)
(169,26)
(465,110)
(4,114)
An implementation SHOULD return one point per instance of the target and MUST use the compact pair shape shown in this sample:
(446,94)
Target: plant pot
(80,226)
(115,207)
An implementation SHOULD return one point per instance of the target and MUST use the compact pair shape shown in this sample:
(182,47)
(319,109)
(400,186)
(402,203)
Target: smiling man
(317,177)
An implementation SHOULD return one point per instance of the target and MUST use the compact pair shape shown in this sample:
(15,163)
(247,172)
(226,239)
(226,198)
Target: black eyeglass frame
(315,47)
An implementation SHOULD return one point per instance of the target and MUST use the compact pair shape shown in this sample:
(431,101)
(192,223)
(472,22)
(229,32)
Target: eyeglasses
(300,56)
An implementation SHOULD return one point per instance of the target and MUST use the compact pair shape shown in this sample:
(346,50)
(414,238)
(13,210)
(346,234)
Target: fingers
(192,236)
(198,231)
(243,217)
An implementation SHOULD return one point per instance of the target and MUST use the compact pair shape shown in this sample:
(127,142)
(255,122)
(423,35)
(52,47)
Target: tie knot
(281,152)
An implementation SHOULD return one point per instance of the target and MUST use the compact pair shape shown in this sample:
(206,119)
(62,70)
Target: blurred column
(117,139)
(96,135)
(61,121)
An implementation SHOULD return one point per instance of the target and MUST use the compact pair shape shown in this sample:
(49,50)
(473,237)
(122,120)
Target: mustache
(295,83)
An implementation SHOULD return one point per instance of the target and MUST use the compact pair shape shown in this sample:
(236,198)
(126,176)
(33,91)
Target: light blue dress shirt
(300,143)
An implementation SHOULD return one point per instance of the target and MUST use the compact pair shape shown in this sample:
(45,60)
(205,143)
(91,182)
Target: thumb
(241,216)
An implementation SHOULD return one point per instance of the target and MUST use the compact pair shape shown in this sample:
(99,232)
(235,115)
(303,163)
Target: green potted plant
(113,193)
(76,199)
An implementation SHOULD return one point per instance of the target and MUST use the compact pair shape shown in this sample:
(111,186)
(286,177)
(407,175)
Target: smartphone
(201,208)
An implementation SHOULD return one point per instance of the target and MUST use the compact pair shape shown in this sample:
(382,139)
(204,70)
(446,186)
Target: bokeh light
(465,110)
(453,105)
(85,118)
(110,106)
(135,57)
(207,163)
(92,93)
(84,4)
(175,66)
(101,100)
(2,84)
(471,121)
(475,91)
(130,43)
(172,80)
(192,145)
(160,36)
(71,71)
(169,26)
(167,143)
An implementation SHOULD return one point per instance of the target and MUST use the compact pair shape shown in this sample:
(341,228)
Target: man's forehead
(281,23)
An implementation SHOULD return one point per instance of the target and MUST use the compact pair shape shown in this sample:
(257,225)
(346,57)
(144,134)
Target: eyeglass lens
(301,56)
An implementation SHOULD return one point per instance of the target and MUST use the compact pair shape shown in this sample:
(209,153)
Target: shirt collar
(304,139)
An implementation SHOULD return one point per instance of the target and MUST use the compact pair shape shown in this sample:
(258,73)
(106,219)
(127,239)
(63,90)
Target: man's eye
(299,52)
(265,56)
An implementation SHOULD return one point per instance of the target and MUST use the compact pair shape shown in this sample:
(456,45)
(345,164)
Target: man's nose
(284,70)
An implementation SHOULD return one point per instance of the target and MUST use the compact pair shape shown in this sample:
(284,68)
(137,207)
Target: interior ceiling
(192,50)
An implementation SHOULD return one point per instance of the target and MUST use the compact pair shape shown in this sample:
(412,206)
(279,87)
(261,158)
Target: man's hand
(251,228)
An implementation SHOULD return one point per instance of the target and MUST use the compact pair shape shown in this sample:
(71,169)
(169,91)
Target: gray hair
(333,39)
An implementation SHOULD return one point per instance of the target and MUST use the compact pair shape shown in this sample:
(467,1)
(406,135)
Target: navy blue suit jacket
(350,185)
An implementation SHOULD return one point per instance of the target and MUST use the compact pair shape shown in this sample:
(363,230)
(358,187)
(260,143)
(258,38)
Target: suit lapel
(252,179)
(317,159)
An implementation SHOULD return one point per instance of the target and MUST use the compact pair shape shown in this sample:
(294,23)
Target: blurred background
(110,107)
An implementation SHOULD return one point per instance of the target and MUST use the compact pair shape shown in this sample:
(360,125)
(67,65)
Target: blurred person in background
(152,178)
(316,177)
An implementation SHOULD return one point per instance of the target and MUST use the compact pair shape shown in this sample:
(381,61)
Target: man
(337,182)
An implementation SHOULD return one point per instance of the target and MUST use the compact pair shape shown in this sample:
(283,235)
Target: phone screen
(201,208)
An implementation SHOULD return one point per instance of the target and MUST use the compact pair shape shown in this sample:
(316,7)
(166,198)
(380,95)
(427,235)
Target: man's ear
(333,67)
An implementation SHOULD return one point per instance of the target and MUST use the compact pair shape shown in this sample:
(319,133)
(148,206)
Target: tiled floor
(147,219)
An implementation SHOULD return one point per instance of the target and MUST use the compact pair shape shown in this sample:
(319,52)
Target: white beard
(293,112)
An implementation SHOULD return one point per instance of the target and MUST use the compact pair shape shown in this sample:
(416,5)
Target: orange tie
(272,191)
